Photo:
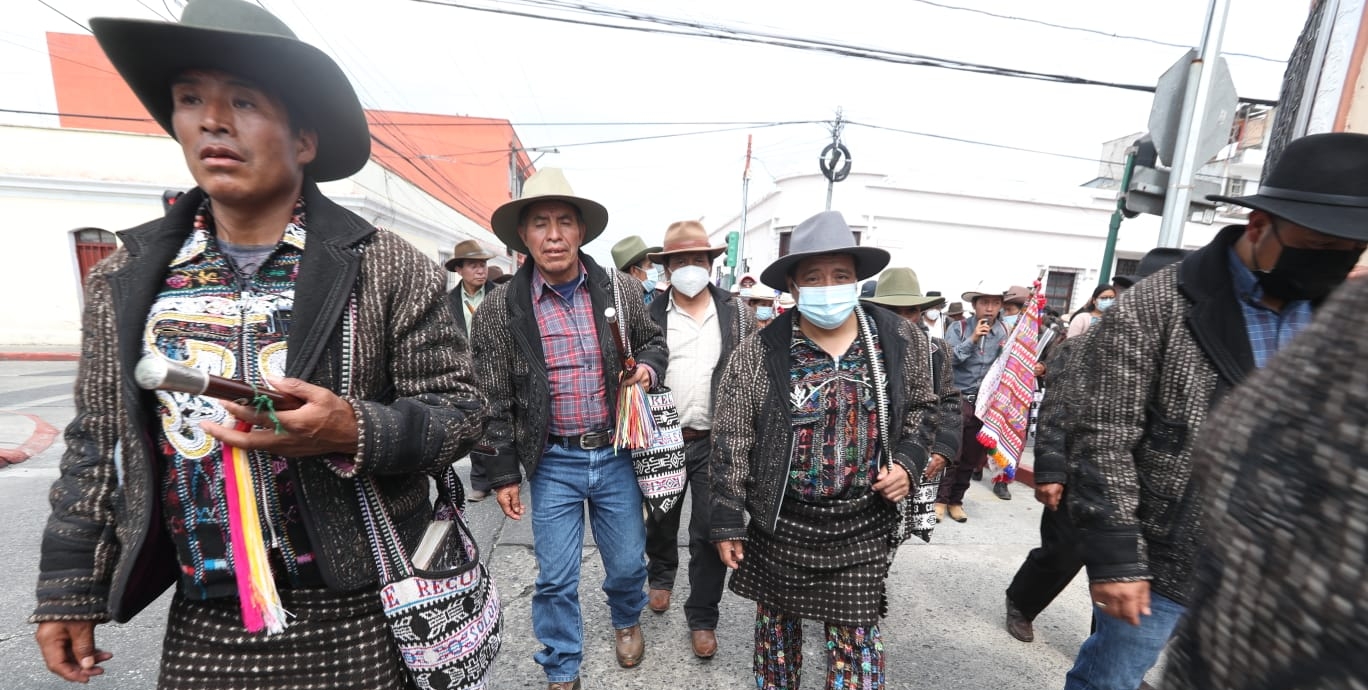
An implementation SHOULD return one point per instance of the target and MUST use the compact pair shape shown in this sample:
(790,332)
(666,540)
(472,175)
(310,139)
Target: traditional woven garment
(334,641)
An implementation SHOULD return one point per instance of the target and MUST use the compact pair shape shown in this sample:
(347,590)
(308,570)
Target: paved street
(945,630)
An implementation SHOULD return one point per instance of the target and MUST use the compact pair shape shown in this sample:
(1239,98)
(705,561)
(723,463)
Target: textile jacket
(1057,410)
(734,320)
(753,427)
(950,418)
(106,554)
(457,306)
(1158,362)
(1280,599)
(511,366)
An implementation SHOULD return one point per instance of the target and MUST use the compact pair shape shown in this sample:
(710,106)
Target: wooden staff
(158,373)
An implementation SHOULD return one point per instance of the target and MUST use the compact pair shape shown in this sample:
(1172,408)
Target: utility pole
(1104,275)
(835,159)
(1198,91)
(738,265)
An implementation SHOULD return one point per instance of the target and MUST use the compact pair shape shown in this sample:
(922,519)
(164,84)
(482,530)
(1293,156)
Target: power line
(698,30)
(68,18)
(155,13)
(91,117)
(648,137)
(1082,29)
(498,123)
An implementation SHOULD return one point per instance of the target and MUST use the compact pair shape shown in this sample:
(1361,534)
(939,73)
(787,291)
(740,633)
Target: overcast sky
(411,56)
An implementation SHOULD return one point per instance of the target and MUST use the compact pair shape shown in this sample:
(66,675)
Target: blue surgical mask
(1010,320)
(764,313)
(1105,304)
(828,306)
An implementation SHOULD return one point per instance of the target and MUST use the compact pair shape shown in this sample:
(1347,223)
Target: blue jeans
(1118,654)
(565,479)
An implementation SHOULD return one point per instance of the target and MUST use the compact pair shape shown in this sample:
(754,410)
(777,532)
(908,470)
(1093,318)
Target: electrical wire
(64,14)
(623,140)
(1082,29)
(697,30)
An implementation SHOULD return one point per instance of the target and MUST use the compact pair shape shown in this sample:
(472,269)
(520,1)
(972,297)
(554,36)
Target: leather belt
(691,435)
(592,440)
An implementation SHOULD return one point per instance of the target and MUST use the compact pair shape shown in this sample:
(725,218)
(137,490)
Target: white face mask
(689,280)
(933,315)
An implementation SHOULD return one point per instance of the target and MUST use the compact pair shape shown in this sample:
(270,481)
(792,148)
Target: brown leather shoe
(660,600)
(940,512)
(631,646)
(704,643)
(1018,625)
(569,685)
(957,514)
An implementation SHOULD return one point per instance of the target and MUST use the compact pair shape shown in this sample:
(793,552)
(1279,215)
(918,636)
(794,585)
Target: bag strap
(624,344)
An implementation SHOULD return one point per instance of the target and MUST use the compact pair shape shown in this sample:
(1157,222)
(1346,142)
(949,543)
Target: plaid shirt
(1268,330)
(574,362)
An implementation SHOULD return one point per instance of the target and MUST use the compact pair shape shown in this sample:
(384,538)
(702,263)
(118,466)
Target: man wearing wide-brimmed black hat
(254,275)
(803,444)
(1170,348)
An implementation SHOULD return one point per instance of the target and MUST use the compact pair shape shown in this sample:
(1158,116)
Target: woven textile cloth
(1007,394)
(1280,598)
(335,640)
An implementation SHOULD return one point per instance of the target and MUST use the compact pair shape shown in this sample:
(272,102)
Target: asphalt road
(945,629)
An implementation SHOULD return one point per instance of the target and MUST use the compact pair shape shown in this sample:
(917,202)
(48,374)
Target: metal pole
(1104,275)
(745,206)
(1198,92)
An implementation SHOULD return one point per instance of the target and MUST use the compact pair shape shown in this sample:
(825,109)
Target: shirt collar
(710,311)
(541,288)
(479,294)
(197,242)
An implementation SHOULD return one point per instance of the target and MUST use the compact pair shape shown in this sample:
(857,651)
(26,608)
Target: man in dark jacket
(825,422)
(1170,348)
(469,260)
(548,362)
(256,276)
(703,325)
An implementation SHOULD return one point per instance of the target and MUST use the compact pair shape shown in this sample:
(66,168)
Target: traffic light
(733,244)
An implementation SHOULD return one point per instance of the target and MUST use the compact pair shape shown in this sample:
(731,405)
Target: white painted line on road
(43,401)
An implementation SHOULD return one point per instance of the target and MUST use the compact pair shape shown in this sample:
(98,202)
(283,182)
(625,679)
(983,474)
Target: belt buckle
(593,440)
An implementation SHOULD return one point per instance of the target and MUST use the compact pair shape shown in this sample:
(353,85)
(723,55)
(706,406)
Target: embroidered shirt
(213,319)
(835,420)
(695,347)
(574,361)
(1268,330)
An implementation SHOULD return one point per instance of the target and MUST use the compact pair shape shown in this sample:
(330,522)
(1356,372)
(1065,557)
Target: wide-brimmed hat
(821,235)
(983,289)
(1150,263)
(899,287)
(467,249)
(1319,182)
(1017,295)
(248,42)
(496,276)
(684,237)
(956,309)
(547,184)
(629,251)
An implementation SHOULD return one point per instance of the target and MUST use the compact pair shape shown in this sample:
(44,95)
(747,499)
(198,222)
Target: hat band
(687,245)
(1314,197)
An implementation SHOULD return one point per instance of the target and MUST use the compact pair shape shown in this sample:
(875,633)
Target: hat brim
(504,222)
(149,55)
(906,301)
(659,253)
(868,262)
(1348,222)
(971,296)
(636,258)
(451,263)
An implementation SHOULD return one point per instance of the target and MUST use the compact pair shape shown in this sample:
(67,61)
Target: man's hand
(938,462)
(893,483)
(1049,494)
(1124,600)
(983,328)
(641,374)
(731,552)
(509,500)
(69,651)
(323,425)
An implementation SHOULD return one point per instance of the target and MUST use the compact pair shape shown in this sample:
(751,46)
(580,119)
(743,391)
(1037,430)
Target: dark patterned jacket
(1280,595)
(511,366)
(105,553)
(949,415)
(734,320)
(1057,411)
(1160,360)
(753,427)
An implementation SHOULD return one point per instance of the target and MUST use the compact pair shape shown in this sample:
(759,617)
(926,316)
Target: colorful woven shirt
(574,362)
(209,317)
(835,421)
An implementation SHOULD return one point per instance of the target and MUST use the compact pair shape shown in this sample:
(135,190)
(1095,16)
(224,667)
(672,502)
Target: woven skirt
(823,561)
(334,640)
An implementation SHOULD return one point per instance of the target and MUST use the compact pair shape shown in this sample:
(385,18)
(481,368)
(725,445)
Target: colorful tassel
(636,427)
(257,594)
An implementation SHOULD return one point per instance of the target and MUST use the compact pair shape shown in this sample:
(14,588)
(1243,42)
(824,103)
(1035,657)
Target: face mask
(933,315)
(828,306)
(690,280)
(653,275)
(1010,321)
(764,313)
(1306,273)
(1105,304)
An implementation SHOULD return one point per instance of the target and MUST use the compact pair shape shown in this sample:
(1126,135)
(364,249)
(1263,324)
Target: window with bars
(92,246)
(1059,289)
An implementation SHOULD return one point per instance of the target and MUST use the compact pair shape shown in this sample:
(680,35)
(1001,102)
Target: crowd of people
(1199,450)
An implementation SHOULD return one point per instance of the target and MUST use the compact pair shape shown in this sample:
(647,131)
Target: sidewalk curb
(37,442)
(40,356)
